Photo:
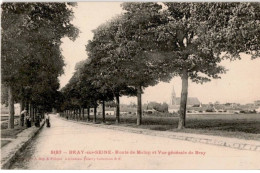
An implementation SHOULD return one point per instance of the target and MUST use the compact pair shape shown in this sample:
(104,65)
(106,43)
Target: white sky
(240,84)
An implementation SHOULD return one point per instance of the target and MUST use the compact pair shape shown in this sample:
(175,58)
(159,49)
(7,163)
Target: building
(175,102)
(108,110)
(124,109)
(257,103)
(258,110)
(5,110)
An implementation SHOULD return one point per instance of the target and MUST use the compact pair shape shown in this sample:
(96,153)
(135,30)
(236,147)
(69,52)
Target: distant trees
(160,107)
(31,57)
(81,92)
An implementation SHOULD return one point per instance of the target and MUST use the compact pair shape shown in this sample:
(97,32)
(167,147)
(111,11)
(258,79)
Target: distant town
(194,106)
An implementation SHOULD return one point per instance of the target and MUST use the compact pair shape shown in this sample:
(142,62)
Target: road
(68,145)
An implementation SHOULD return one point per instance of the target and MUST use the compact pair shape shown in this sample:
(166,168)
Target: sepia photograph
(130,85)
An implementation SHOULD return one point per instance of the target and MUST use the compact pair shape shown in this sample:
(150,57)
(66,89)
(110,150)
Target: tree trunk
(10,107)
(95,115)
(103,112)
(27,106)
(22,108)
(83,114)
(22,105)
(88,116)
(184,96)
(139,105)
(79,114)
(36,110)
(76,114)
(33,113)
(30,110)
(117,109)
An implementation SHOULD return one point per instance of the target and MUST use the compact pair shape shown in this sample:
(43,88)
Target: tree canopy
(31,55)
(152,42)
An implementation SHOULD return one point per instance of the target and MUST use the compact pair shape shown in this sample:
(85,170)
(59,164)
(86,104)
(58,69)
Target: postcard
(130,85)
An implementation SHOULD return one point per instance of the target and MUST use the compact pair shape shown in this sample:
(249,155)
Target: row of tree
(31,56)
(152,42)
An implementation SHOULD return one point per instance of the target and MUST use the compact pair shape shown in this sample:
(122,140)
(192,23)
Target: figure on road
(28,120)
(48,124)
(22,117)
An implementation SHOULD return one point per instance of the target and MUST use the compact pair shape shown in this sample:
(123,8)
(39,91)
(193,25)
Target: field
(244,126)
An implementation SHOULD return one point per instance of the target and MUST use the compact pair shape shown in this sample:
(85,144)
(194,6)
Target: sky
(241,83)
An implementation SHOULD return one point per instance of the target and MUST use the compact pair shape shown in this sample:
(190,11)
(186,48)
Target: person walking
(48,124)
(28,120)
(22,117)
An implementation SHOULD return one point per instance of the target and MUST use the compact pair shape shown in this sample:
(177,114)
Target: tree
(81,92)
(140,68)
(105,57)
(190,38)
(157,106)
(12,49)
(30,31)
(205,30)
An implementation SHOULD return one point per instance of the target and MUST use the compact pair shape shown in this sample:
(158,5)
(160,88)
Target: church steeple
(173,97)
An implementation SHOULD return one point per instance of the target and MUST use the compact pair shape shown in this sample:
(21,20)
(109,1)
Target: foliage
(192,37)
(31,57)
(160,107)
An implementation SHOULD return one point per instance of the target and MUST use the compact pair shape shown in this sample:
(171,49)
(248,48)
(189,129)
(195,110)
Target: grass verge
(11,133)
(242,126)
(4,142)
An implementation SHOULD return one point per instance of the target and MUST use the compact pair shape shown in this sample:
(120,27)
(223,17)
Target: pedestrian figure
(22,117)
(28,120)
(48,124)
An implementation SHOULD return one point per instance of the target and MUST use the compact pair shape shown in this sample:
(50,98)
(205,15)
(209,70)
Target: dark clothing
(28,122)
(22,120)
(48,124)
